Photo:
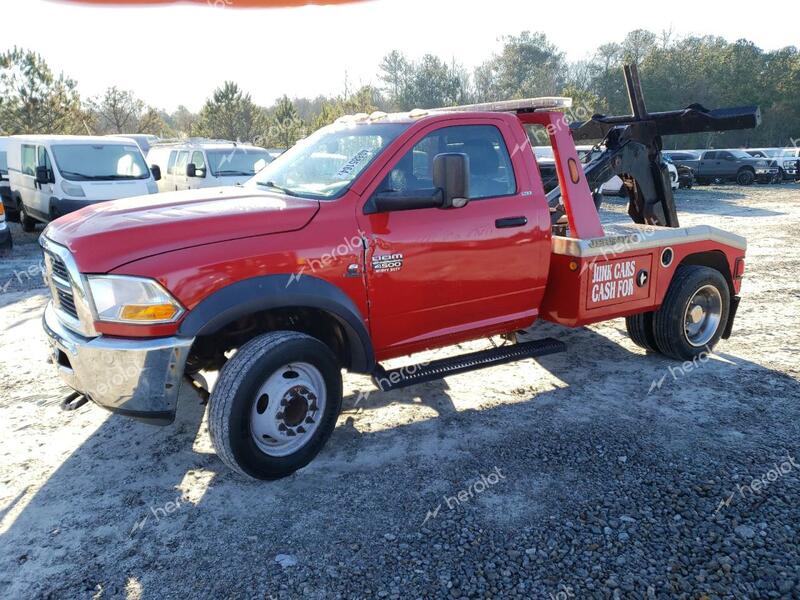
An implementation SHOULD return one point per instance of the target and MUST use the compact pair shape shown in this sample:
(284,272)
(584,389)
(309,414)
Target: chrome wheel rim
(703,315)
(287,409)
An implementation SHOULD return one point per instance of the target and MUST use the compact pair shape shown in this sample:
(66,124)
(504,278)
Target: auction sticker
(621,280)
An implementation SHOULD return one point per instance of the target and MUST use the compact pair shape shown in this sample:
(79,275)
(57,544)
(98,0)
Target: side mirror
(156,171)
(451,175)
(191,170)
(42,175)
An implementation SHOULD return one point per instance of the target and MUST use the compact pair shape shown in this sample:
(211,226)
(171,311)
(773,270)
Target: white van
(201,163)
(52,175)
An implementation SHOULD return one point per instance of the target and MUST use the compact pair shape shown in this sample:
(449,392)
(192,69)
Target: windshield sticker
(350,167)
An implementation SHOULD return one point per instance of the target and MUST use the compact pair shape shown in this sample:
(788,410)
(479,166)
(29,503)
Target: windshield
(237,161)
(3,162)
(324,164)
(90,162)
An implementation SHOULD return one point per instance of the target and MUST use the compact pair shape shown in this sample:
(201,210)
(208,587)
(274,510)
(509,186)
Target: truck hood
(105,236)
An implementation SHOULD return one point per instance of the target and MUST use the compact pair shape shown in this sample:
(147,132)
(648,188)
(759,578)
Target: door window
(710,155)
(43,159)
(491,173)
(199,160)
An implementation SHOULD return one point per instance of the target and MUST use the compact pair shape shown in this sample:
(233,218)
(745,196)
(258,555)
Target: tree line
(675,72)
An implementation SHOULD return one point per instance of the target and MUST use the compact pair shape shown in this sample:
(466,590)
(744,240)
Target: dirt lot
(600,472)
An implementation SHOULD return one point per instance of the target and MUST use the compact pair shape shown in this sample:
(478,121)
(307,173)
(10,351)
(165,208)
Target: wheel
(640,330)
(693,315)
(28,223)
(745,177)
(275,404)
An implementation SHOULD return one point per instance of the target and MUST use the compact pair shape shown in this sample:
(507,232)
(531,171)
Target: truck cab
(376,237)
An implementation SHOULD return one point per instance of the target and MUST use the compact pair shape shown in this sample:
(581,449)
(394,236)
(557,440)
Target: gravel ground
(575,476)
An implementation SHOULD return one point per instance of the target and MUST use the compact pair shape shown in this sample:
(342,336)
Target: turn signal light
(148,312)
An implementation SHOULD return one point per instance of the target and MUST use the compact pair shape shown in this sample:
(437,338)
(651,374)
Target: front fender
(267,292)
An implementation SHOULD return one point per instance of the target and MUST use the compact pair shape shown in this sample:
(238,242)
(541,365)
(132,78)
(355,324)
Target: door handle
(508,222)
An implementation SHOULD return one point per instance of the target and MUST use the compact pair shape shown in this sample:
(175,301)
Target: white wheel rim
(287,409)
(702,316)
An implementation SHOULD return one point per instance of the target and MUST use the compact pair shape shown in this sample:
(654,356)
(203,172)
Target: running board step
(413,374)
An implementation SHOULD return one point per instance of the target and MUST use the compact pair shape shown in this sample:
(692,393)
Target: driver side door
(438,276)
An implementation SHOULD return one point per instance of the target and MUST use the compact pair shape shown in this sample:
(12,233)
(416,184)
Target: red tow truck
(377,237)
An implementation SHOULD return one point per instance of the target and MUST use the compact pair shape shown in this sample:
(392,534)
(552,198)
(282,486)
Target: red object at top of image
(219,3)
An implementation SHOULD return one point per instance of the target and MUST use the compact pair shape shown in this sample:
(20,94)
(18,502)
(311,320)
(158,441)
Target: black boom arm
(633,149)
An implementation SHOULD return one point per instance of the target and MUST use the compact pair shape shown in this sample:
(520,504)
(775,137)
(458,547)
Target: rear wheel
(28,223)
(693,315)
(640,330)
(275,405)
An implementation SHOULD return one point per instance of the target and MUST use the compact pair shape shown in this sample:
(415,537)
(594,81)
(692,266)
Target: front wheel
(745,177)
(27,222)
(692,317)
(275,405)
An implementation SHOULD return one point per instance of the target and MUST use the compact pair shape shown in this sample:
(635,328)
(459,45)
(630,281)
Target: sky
(178,54)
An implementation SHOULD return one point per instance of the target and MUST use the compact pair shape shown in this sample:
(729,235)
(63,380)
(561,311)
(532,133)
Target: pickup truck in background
(725,165)
(787,160)
(431,228)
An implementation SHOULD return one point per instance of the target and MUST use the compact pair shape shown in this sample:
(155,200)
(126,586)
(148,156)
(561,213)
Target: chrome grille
(59,268)
(66,288)
(66,302)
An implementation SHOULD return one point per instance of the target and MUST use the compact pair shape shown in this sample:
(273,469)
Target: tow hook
(74,401)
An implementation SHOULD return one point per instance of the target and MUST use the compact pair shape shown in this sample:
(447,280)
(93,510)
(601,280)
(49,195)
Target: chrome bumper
(136,378)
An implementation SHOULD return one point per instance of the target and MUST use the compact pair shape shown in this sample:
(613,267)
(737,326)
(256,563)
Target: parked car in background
(726,165)
(612,187)
(196,164)
(143,140)
(5,186)
(792,155)
(680,176)
(51,176)
(547,167)
(5,232)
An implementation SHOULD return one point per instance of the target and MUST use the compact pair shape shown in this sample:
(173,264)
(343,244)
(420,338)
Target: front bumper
(139,378)
(63,206)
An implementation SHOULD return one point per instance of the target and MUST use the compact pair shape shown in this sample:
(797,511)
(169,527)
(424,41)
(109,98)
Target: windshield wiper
(247,173)
(81,175)
(271,184)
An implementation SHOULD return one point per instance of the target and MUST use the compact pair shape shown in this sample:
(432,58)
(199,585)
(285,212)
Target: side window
(709,155)
(199,160)
(180,164)
(725,155)
(491,173)
(28,159)
(171,164)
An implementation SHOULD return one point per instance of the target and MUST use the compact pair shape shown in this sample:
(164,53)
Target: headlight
(126,299)
(789,164)
(72,189)
(762,163)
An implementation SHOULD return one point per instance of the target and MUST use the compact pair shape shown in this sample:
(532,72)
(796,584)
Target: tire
(674,325)
(304,378)
(745,177)
(640,330)
(28,223)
